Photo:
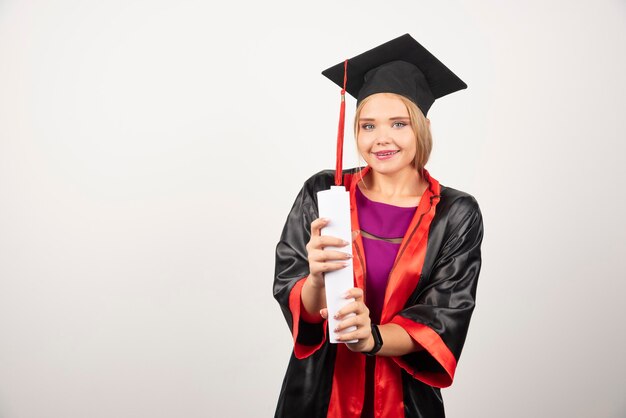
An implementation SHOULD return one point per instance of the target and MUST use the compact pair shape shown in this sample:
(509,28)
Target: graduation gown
(431,294)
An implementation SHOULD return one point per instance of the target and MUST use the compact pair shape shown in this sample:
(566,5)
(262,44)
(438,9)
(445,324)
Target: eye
(399,124)
(367,126)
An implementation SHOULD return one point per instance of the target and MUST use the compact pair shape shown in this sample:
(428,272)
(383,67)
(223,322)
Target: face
(386,139)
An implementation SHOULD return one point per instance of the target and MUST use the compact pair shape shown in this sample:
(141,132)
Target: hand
(361,320)
(320,260)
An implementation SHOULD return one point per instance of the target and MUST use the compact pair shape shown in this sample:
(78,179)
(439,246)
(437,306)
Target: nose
(384,135)
(383,138)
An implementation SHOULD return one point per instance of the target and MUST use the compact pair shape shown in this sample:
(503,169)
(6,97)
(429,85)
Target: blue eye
(399,124)
(367,126)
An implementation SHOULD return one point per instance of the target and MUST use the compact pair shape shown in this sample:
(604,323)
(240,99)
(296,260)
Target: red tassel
(340,130)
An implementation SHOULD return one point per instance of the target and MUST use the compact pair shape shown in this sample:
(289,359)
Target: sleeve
(291,271)
(440,319)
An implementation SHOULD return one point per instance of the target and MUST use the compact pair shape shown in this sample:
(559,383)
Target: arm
(300,264)
(313,298)
(292,272)
(439,319)
(320,261)
(396,341)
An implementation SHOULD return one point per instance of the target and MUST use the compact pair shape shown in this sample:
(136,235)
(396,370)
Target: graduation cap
(400,66)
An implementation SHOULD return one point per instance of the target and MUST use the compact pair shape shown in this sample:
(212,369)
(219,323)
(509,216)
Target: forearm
(396,341)
(313,298)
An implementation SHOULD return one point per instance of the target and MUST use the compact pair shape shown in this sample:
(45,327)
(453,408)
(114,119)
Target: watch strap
(378,341)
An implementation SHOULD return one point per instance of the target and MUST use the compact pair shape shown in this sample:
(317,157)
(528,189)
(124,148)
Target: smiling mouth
(385,153)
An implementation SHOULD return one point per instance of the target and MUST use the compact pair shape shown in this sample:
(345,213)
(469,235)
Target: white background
(150,152)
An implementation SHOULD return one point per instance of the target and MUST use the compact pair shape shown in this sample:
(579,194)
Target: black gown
(431,294)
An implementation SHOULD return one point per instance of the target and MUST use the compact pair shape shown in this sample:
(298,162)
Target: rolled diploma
(334,204)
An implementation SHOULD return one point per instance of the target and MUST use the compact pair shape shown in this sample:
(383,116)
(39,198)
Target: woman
(416,256)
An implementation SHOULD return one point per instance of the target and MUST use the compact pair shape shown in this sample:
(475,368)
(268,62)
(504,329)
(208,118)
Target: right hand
(320,260)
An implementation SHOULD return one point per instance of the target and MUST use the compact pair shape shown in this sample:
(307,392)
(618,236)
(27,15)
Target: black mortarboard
(401,66)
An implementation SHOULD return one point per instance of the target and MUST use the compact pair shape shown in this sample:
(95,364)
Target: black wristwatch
(378,341)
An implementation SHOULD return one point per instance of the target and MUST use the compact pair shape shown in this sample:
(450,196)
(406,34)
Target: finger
(330,241)
(317,225)
(329,255)
(348,309)
(320,242)
(360,334)
(324,313)
(316,255)
(353,307)
(353,321)
(321,256)
(355,293)
(326,267)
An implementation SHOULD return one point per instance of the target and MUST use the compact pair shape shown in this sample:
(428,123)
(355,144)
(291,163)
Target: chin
(386,169)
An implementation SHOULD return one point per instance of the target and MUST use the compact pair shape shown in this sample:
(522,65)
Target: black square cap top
(400,66)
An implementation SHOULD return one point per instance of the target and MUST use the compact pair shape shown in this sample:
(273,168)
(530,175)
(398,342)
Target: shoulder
(457,199)
(458,208)
(320,180)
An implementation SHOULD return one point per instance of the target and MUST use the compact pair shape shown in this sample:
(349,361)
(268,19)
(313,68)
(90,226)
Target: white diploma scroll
(334,204)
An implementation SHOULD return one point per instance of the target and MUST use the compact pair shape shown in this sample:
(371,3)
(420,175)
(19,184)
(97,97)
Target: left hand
(361,320)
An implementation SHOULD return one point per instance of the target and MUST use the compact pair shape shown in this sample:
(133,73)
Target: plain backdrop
(150,152)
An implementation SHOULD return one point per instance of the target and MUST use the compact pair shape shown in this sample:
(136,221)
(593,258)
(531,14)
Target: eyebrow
(394,118)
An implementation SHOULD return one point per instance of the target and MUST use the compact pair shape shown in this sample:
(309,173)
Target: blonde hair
(419,124)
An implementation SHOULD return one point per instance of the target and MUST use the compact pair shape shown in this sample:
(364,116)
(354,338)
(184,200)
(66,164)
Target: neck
(399,184)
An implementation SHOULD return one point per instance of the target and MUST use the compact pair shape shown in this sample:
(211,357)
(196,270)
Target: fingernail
(345,243)
(324,219)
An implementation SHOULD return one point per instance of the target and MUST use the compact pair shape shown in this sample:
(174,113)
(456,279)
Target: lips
(386,153)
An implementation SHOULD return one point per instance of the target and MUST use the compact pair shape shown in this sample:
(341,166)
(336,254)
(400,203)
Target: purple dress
(388,222)
(383,221)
